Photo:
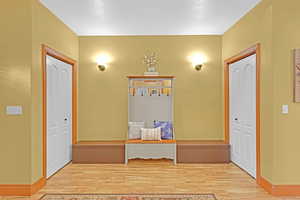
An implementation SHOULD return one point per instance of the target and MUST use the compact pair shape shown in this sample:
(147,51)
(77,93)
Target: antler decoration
(150,60)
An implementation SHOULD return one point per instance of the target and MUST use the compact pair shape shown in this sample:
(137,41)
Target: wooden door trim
(256,49)
(46,50)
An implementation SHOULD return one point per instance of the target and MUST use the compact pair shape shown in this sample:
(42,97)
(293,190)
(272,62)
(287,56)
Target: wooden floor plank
(226,181)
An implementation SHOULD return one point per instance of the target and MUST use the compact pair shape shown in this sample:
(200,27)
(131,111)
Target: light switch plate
(14,110)
(285,109)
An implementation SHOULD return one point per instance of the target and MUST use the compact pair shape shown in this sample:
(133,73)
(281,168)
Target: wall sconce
(102,61)
(197,61)
(101,67)
(198,67)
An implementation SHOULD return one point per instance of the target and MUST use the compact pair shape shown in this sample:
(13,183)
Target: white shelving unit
(150,98)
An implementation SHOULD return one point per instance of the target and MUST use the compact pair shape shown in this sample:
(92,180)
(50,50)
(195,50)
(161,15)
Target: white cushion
(153,134)
(134,130)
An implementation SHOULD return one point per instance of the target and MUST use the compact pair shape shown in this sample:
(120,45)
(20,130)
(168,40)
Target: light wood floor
(226,181)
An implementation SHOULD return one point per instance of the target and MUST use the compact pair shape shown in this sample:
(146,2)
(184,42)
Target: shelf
(150,91)
(150,77)
(151,96)
(154,87)
(101,142)
(150,142)
(201,142)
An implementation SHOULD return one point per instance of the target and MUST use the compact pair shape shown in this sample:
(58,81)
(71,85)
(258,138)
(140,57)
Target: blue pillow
(166,129)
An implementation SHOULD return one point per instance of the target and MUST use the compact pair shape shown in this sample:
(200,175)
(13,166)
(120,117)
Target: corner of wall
(58,36)
(257,27)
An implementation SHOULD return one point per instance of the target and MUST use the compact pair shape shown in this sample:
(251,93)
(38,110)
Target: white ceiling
(149,17)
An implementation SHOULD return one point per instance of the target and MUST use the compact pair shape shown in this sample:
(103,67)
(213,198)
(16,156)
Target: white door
(59,114)
(242,95)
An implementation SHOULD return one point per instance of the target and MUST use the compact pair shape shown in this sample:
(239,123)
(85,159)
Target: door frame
(47,51)
(256,49)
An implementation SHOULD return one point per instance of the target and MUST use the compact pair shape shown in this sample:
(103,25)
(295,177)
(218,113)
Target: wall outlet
(14,110)
(285,109)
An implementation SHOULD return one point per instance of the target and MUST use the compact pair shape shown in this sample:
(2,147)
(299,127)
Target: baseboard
(15,190)
(266,185)
(280,190)
(22,189)
(38,185)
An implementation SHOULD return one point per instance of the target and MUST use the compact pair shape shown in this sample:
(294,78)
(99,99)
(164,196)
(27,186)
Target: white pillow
(134,130)
(153,134)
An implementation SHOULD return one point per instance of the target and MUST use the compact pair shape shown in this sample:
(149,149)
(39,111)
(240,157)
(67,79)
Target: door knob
(66,119)
(236,119)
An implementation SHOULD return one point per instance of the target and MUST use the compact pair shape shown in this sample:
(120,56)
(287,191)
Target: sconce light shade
(101,67)
(103,60)
(197,61)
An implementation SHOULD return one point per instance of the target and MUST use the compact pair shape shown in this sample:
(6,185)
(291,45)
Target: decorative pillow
(153,134)
(134,130)
(166,129)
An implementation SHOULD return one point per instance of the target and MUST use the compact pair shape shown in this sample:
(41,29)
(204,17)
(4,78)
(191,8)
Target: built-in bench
(141,149)
(187,152)
(99,152)
(202,152)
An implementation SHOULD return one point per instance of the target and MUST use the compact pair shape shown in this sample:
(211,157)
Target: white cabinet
(150,98)
(150,151)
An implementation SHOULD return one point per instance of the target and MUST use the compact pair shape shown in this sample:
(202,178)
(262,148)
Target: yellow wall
(286,37)
(47,29)
(103,95)
(275,24)
(15,63)
(256,27)
(29,26)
